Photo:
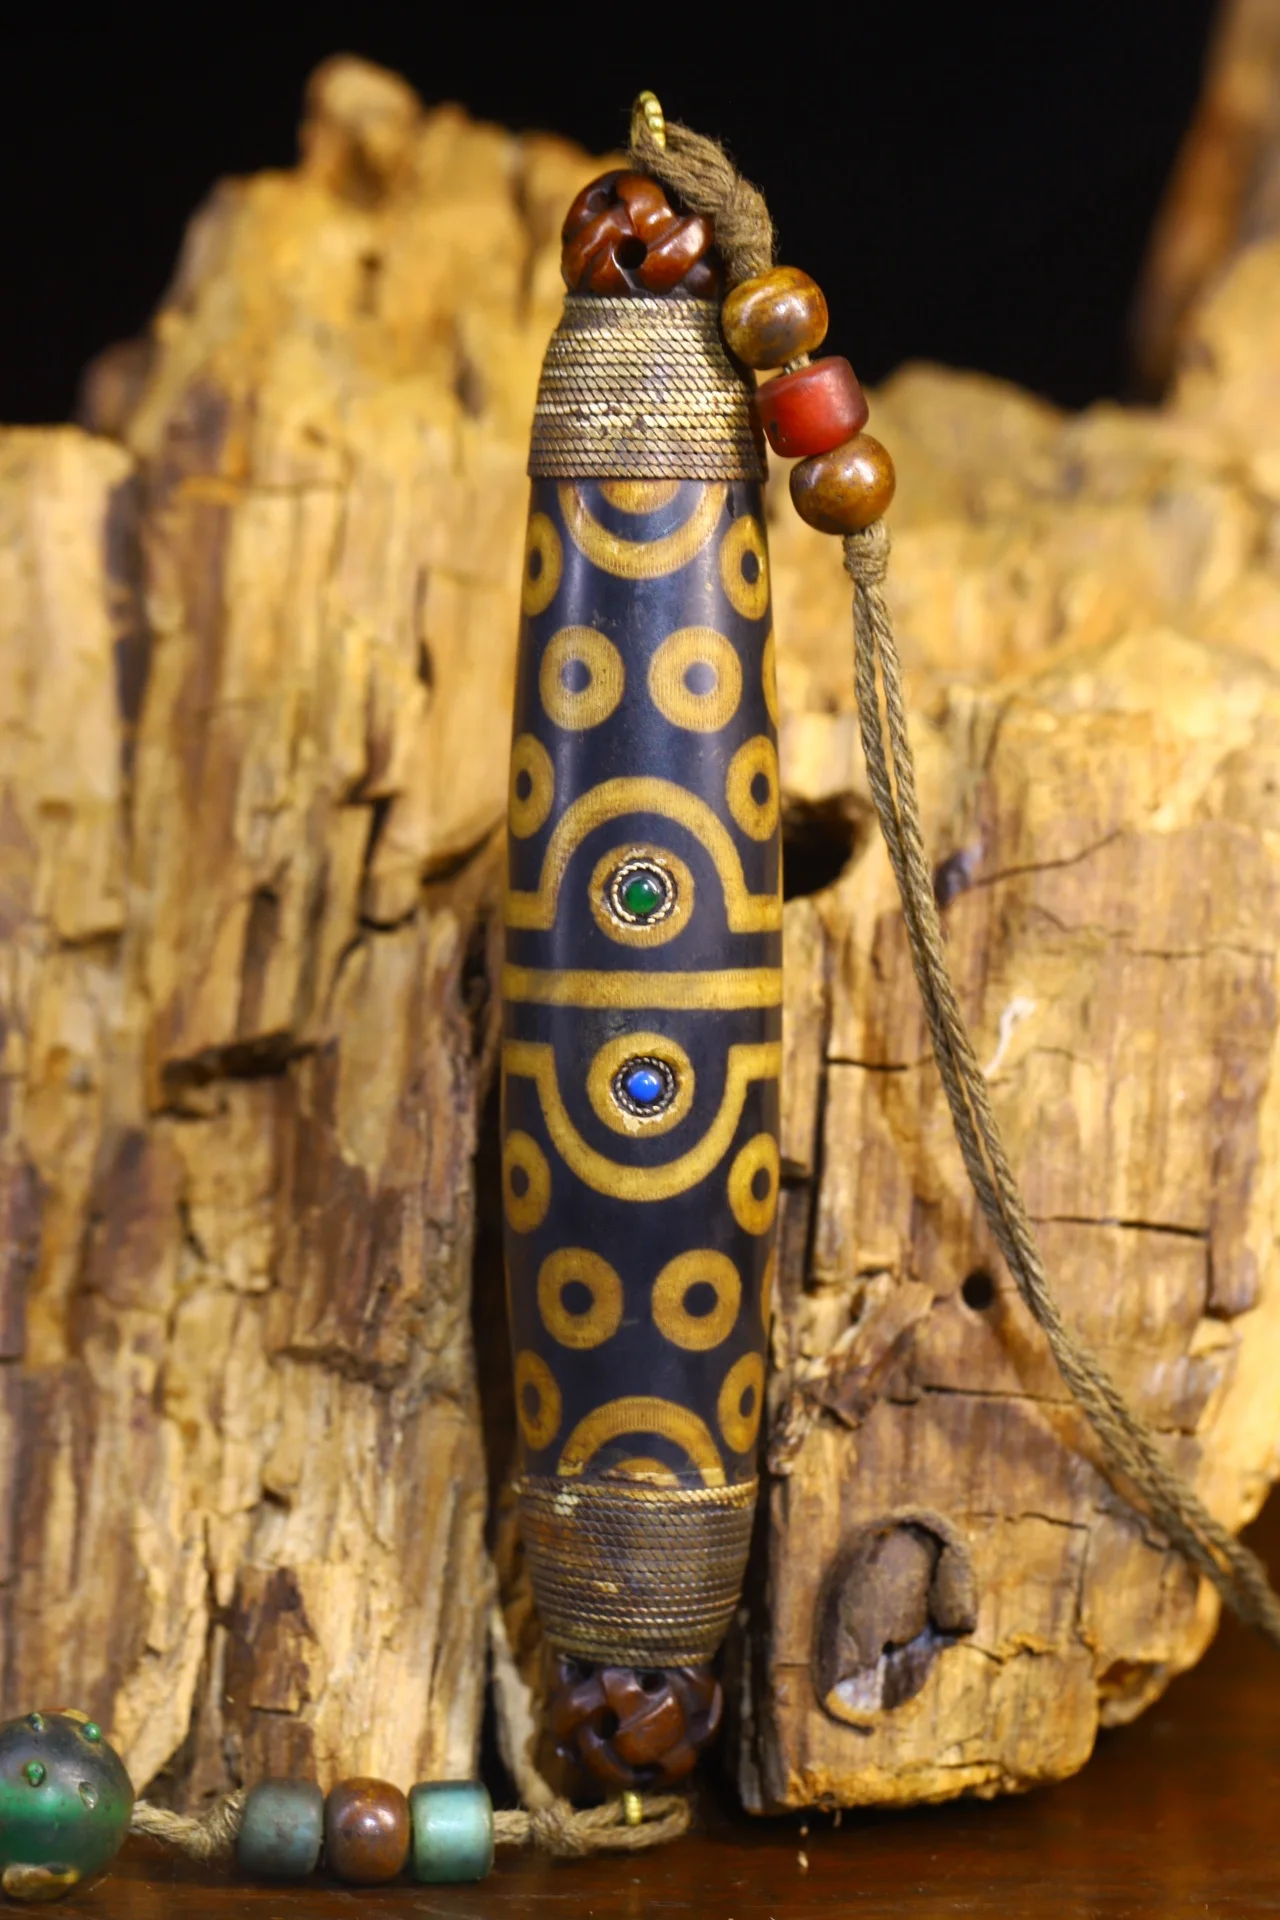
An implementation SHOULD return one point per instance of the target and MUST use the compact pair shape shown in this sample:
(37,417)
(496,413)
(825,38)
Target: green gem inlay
(91,1730)
(36,1722)
(34,1771)
(642,894)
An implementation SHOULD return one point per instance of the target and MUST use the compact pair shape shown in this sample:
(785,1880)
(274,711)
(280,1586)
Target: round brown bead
(845,490)
(775,317)
(367,1831)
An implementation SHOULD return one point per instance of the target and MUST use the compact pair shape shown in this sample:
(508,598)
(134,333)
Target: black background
(972,184)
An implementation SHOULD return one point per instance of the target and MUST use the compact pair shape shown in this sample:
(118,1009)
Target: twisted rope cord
(1129,1445)
(546,1820)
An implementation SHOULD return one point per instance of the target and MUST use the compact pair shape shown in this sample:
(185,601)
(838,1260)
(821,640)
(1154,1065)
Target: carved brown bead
(367,1830)
(775,318)
(622,235)
(632,1728)
(844,491)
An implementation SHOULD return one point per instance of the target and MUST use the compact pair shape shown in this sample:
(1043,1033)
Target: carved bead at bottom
(634,1727)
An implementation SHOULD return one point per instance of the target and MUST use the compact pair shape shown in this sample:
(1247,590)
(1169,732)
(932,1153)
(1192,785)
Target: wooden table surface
(1176,1815)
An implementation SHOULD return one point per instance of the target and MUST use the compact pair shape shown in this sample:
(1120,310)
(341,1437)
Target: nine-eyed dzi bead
(812,410)
(774,318)
(844,490)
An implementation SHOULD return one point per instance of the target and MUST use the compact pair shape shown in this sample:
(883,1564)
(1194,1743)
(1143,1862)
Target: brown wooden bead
(367,1830)
(845,490)
(775,317)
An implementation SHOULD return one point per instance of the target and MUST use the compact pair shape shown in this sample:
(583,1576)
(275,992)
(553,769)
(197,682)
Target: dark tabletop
(1176,1815)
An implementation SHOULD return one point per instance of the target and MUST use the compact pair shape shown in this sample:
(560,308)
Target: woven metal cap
(630,1575)
(634,389)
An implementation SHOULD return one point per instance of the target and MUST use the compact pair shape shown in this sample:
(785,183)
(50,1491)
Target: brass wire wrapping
(646,1576)
(642,388)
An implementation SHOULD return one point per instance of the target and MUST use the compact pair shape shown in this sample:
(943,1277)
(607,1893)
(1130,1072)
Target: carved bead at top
(775,318)
(622,235)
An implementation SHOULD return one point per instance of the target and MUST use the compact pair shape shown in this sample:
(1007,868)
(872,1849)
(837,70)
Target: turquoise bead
(281,1830)
(65,1802)
(452,1832)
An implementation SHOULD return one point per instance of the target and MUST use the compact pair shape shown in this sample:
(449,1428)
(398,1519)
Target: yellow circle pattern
(527,1208)
(644,1413)
(639,496)
(697,1332)
(756,761)
(741,1402)
(538,1403)
(532,790)
(641,559)
(753,1212)
(606,678)
(746,585)
(601,1320)
(769,676)
(696,650)
(543,564)
(613,1055)
(660,931)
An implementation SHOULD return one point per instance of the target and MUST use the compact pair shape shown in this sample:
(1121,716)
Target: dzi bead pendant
(642,987)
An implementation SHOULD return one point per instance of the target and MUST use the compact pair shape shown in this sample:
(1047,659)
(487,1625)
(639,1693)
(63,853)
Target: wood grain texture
(258,633)
(1087,610)
(258,625)
(1224,191)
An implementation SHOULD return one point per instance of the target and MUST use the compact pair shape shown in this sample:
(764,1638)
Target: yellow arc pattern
(643,1413)
(641,559)
(747,1061)
(644,793)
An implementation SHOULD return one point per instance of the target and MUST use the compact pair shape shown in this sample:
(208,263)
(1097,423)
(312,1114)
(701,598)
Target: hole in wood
(817,845)
(898,1594)
(978,1291)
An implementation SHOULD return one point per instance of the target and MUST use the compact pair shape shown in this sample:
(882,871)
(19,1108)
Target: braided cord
(1131,1449)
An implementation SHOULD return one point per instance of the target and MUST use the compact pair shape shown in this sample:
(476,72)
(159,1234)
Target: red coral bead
(812,410)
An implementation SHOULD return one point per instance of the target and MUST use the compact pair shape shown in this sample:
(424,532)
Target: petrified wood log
(257,632)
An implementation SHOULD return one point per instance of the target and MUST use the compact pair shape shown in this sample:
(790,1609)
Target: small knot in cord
(557,1830)
(866,555)
(701,174)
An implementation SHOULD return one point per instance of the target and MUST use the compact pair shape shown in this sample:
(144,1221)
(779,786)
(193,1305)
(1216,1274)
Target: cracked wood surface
(1089,611)
(259,623)
(257,632)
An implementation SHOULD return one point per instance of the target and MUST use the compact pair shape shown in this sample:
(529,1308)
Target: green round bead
(642,895)
(452,1832)
(65,1802)
(281,1830)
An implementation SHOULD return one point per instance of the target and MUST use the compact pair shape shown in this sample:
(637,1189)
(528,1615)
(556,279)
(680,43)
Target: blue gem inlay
(644,1085)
